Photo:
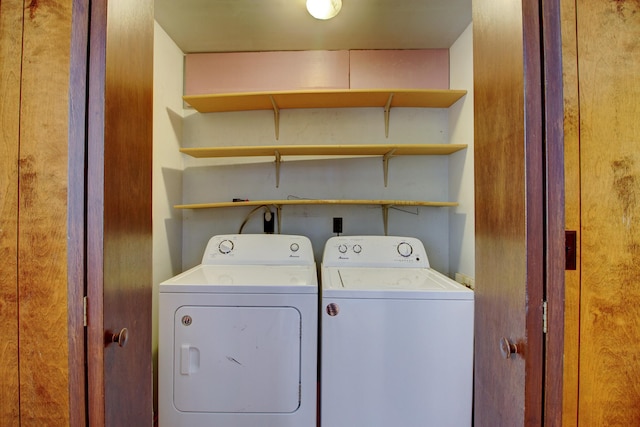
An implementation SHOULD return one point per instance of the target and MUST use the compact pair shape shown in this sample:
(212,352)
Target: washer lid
(244,279)
(391,283)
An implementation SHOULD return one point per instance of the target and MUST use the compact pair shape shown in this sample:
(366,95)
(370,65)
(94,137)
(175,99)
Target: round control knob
(342,249)
(357,249)
(294,247)
(225,246)
(405,249)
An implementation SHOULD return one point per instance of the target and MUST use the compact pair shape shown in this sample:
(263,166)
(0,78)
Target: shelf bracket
(279,216)
(385,218)
(276,116)
(387,110)
(278,162)
(385,165)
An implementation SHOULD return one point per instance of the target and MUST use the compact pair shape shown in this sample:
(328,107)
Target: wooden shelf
(277,151)
(338,98)
(388,203)
(325,150)
(384,204)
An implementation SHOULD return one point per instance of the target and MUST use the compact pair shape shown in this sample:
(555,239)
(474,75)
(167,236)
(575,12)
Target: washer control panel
(375,251)
(261,249)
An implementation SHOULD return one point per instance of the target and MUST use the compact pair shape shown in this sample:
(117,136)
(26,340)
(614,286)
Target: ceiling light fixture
(324,9)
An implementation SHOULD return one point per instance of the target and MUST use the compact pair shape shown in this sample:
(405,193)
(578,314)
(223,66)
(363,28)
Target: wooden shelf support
(278,162)
(279,216)
(385,218)
(276,116)
(387,110)
(385,165)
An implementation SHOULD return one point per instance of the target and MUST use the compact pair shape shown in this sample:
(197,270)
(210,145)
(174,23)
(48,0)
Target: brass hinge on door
(544,317)
(84,310)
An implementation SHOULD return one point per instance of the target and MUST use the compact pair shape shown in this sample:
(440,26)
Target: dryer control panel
(258,249)
(375,251)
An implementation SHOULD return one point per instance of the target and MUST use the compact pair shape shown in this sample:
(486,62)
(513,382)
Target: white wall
(167,166)
(462,218)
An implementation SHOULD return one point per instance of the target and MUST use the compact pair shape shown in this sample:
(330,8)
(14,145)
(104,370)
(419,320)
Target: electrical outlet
(268,223)
(337,225)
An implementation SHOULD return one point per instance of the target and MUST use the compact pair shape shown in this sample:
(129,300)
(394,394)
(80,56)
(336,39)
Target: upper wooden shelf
(338,98)
(325,150)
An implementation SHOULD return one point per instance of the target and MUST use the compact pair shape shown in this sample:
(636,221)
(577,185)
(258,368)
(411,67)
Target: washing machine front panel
(396,337)
(237,359)
(396,362)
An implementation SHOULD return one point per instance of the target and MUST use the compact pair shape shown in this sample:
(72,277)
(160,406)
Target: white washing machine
(238,336)
(396,337)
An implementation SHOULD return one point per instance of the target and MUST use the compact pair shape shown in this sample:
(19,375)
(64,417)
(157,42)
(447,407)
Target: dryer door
(237,359)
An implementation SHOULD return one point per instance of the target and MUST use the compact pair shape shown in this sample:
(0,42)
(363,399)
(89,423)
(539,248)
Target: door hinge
(544,317)
(84,310)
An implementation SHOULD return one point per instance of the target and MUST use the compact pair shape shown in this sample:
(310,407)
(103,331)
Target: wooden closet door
(119,233)
(509,213)
(572,210)
(41,205)
(608,51)
(10,62)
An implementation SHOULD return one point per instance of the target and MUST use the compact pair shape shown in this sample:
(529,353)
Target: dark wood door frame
(86,122)
(76,248)
(95,212)
(553,119)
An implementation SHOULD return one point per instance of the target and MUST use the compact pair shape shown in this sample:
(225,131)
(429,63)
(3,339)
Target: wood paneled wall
(35,40)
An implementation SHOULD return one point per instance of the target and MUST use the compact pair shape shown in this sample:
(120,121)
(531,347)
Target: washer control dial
(225,247)
(405,249)
(294,247)
(357,249)
(342,249)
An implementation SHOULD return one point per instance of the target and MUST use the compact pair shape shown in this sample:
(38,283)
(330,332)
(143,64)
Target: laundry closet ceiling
(272,25)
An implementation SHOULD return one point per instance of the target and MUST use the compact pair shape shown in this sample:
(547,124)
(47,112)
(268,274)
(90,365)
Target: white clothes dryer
(396,337)
(238,336)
